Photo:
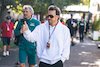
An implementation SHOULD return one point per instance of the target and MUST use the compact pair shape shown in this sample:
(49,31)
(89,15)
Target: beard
(50,22)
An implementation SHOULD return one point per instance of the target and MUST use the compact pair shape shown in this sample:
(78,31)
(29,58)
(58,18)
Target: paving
(85,54)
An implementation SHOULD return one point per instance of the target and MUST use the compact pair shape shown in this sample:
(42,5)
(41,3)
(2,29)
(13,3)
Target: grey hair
(30,8)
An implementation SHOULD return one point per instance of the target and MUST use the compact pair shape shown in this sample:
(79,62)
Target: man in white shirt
(53,39)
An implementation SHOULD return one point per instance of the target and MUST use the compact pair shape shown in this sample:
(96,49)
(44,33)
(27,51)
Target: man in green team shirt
(82,29)
(27,48)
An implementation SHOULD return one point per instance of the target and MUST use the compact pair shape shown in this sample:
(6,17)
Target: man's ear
(31,14)
(58,17)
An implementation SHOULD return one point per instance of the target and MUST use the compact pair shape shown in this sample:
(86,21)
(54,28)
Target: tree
(86,2)
(3,5)
(96,25)
(14,4)
(40,6)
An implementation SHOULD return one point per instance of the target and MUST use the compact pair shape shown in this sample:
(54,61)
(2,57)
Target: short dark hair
(8,17)
(53,7)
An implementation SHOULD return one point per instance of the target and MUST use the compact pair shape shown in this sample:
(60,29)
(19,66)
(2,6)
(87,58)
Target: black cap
(8,17)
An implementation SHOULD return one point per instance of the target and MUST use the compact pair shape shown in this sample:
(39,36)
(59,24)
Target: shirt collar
(29,19)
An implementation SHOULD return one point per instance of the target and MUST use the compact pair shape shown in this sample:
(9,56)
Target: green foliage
(1,45)
(7,2)
(86,2)
(95,40)
(40,6)
(96,25)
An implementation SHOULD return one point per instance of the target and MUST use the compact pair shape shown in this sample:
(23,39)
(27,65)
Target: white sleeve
(31,36)
(66,46)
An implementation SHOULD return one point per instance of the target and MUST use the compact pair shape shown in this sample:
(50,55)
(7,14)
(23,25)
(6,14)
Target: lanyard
(52,32)
(48,43)
(71,21)
(7,26)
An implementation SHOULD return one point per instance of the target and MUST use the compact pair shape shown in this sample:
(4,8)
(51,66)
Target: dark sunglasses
(51,16)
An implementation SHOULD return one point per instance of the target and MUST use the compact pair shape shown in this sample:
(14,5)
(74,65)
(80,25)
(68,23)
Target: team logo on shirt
(32,24)
(82,24)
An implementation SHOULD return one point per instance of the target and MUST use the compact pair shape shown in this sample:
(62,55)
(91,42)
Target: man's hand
(13,39)
(84,30)
(21,31)
(25,26)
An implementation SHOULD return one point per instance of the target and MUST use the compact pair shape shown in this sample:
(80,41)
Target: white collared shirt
(59,42)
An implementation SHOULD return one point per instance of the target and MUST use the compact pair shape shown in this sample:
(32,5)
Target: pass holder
(48,45)
(7,28)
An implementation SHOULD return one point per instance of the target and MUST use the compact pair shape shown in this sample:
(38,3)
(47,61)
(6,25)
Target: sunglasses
(51,16)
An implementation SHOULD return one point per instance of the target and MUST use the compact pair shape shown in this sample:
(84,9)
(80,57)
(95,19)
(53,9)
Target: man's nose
(24,12)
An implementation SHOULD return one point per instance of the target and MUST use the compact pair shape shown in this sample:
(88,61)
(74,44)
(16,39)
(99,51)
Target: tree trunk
(3,12)
(41,15)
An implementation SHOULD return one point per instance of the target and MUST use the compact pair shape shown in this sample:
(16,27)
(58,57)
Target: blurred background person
(26,48)
(71,25)
(61,20)
(82,29)
(87,28)
(76,32)
(43,21)
(7,27)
